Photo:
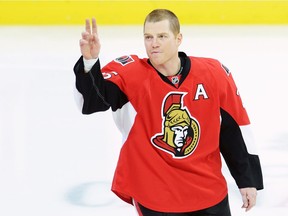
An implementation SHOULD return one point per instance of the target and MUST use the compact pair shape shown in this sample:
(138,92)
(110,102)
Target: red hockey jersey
(170,159)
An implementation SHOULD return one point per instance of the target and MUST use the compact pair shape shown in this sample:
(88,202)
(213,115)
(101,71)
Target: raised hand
(89,43)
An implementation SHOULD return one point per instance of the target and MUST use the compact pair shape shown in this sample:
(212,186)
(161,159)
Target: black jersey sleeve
(244,167)
(98,94)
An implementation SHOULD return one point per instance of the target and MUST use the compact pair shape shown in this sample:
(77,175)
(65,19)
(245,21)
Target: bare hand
(89,43)
(249,197)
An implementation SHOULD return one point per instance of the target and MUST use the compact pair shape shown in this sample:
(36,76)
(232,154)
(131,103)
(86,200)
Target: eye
(148,37)
(162,36)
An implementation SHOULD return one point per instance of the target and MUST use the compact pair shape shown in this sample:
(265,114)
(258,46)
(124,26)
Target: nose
(182,134)
(155,43)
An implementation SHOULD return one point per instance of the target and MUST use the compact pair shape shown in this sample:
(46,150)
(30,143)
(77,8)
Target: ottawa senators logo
(181,132)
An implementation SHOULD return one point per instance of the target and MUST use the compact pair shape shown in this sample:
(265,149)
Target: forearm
(244,167)
(98,94)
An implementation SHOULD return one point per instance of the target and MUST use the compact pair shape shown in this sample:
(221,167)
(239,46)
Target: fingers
(251,201)
(83,42)
(249,196)
(89,35)
(85,35)
(248,205)
(89,43)
(88,26)
(94,26)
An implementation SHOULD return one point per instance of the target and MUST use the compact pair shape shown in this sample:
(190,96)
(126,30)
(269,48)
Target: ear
(179,38)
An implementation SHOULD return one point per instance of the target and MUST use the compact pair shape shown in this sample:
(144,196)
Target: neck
(171,68)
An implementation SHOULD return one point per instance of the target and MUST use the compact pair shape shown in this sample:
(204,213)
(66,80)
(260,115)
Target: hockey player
(177,113)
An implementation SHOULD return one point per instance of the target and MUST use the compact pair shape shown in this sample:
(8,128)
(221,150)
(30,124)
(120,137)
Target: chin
(155,61)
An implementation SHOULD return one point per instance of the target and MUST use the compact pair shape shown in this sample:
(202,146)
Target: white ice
(54,161)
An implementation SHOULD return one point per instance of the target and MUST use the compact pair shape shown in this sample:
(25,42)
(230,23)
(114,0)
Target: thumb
(245,201)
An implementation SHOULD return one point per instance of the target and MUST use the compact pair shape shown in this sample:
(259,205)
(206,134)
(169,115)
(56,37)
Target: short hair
(158,15)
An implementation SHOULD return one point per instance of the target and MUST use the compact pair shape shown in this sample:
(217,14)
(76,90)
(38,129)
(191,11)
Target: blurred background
(56,161)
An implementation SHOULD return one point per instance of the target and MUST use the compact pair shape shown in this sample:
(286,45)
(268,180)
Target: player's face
(180,135)
(160,42)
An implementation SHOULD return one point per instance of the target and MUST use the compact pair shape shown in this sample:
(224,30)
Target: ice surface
(56,162)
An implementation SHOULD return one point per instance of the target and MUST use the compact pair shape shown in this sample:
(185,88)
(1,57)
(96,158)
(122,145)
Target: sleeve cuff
(88,64)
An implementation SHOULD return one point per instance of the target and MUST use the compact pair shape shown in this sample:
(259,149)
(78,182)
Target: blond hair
(158,15)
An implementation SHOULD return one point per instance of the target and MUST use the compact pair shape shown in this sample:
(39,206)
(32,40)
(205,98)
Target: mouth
(155,52)
(180,143)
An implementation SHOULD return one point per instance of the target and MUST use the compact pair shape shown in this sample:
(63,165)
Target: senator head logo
(180,131)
